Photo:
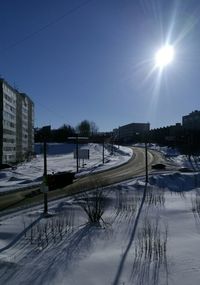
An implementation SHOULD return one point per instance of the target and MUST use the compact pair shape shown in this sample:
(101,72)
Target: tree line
(85,128)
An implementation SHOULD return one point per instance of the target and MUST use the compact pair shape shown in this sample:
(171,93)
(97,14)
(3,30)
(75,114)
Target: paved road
(134,167)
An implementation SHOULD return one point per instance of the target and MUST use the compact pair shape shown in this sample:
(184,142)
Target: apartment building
(16,124)
(191,121)
(129,132)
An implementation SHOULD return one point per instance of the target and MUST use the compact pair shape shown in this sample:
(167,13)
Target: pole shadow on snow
(20,235)
(150,244)
(195,201)
(77,247)
(122,262)
(53,267)
(150,253)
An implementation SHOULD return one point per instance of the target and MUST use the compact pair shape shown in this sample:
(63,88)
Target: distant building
(169,135)
(129,132)
(16,124)
(191,121)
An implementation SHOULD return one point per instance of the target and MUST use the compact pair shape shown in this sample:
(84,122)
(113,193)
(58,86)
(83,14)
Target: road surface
(133,168)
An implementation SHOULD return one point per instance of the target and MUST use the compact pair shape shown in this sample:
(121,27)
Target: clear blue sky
(93,59)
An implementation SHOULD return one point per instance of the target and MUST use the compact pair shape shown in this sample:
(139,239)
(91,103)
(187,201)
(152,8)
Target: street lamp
(44,187)
(146,163)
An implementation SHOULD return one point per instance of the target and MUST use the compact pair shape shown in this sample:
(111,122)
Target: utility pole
(112,145)
(45,178)
(77,156)
(103,151)
(118,136)
(146,162)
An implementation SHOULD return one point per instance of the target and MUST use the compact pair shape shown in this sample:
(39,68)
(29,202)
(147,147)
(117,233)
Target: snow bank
(176,181)
(60,157)
(167,151)
(66,249)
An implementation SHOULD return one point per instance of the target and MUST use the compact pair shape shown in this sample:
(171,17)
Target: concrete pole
(146,162)
(45,177)
(77,162)
(103,152)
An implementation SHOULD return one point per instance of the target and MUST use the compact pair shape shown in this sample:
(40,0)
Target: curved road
(134,167)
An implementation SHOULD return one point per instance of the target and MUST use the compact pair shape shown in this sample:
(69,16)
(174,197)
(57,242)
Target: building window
(8,132)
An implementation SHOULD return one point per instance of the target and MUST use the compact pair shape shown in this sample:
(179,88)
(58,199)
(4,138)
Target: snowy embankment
(181,160)
(60,157)
(155,244)
(174,156)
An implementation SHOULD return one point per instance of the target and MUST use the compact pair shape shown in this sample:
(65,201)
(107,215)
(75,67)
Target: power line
(48,109)
(52,111)
(41,29)
(45,27)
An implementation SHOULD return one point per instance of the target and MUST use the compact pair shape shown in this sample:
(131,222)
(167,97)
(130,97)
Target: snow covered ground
(181,160)
(146,234)
(61,158)
(150,237)
(174,156)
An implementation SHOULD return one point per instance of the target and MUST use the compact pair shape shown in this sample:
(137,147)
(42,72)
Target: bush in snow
(51,230)
(93,204)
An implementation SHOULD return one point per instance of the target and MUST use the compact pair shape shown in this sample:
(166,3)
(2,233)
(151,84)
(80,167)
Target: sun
(164,56)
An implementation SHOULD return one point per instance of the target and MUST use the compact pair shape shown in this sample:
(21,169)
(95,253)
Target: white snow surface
(174,156)
(60,158)
(152,239)
(157,243)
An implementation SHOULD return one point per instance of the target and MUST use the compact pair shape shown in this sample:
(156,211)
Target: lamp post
(77,162)
(45,178)
(146,163)
(44,187)
(103,151)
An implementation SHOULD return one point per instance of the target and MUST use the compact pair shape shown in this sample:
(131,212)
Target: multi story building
(191,121)
(129,132)
(16,124)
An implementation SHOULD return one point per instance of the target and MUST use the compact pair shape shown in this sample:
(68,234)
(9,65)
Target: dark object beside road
(185,169)
(158,166)
(59,179)
(55,181)
(5,166)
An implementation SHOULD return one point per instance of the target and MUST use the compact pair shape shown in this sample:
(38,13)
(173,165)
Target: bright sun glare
(164,56)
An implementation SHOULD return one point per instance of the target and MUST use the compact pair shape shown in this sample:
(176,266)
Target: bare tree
(87,128)
(93,204)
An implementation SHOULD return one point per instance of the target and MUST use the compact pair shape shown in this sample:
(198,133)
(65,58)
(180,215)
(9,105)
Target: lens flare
(164,56)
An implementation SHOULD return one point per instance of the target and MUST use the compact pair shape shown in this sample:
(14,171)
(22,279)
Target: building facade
(191,121)
(16,124)
(129,132)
